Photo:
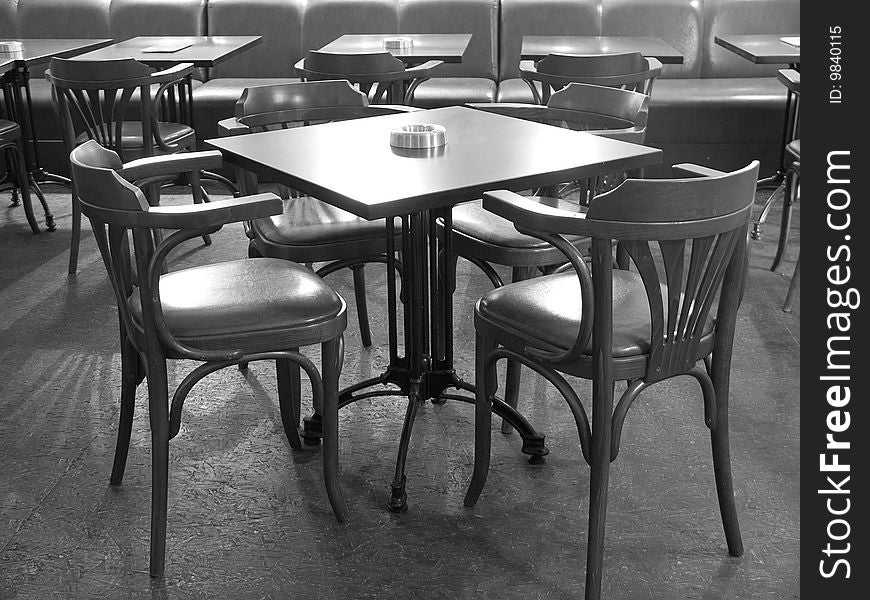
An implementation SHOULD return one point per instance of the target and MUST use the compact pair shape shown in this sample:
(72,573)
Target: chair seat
(794,148)
(309,221)
(473,224)
(545,312)
(131,135)
(9,130)
(213,305)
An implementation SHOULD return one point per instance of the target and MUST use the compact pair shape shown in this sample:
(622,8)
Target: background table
(204,51)
(449,47)
(366,176)
(16,81)
(768,48)
(763,48)
(536,47)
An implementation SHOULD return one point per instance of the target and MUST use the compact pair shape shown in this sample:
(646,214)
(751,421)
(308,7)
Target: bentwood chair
(687,241)
(217,314)
(625,70)
(485,239)
(380,75)
(13,154)
(792,80)
(117,103)
(310,231)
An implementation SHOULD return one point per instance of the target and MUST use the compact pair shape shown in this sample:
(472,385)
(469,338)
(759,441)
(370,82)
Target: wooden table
(16,83)
(351,165)
(768,48)
(536,47)
(763,48)
(448,47)
(201,51)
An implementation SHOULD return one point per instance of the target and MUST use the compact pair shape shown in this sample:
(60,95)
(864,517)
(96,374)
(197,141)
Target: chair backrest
(378,74)
(626,70)
(96,97)
(687,239)
(608,112)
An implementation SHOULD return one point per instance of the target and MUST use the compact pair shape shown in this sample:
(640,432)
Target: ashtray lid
(422,135)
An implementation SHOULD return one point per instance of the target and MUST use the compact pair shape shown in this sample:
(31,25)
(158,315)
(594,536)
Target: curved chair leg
(785,224)
(75,241)
(793,287)
(722,455)
(15,157)
(599,479)
(485,387)
(289,398)
(331,367)
(514,369)
(362,310)
(129,381)
(158,402)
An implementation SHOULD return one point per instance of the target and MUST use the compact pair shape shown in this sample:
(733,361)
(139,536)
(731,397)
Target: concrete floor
(248,517)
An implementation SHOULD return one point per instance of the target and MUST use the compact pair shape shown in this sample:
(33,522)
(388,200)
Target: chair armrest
(423,70)
(231,126)
(182,162)
(692,170)
(790,79)
(538,215)
(173,73)
(213,214)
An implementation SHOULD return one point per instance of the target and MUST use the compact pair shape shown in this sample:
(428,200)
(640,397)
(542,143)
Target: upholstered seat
(546,312)
(131,136)
(216,305)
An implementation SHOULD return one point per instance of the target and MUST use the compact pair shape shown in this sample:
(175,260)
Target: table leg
(425,371)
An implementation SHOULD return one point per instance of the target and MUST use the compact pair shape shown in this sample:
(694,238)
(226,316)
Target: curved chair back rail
(687,240)
(381,76)
(627,70)
(221,314)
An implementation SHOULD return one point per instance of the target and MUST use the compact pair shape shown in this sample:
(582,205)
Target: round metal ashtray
(11,49)
(418,136)
(398,43)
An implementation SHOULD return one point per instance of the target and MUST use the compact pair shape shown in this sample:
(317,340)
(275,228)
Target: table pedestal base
(426,371)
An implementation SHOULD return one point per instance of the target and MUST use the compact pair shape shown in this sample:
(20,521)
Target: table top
(536,47)
(6,64)
(765,48)
(448,47)
(202,51)
(37,50)
(352,165)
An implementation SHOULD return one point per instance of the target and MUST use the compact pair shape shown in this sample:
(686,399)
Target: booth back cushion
(742,17)
(542,17)
(477,17)
(279,22)
(131,18)
(677,22)
(326,20)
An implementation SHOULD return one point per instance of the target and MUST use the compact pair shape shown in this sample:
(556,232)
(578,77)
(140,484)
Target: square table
(764,49)
(200,50)
(447,47)
(16,80)
(767,49)
(352,165)
(536,47)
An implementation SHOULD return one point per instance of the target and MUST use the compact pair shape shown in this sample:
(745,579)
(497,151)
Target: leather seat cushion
(514,90)
(242,296)
(471,219)
(131,134)
(546,311)
(308,221)
(9,128)
(794,148)
(450,91)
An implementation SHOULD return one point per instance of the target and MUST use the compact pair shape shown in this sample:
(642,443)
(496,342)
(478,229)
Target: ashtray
(418,136)
(11,49)
(398,43)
